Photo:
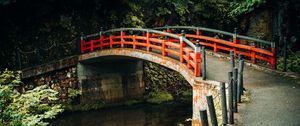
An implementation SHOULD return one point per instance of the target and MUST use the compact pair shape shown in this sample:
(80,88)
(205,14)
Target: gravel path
(275,100)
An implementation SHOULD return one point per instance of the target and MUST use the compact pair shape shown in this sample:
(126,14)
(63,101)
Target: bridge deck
(275,100)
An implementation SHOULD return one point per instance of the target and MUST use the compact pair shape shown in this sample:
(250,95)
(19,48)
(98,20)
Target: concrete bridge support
(200,90)
(113,79)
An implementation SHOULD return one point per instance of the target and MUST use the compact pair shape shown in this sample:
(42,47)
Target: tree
(6,2)
(25,108)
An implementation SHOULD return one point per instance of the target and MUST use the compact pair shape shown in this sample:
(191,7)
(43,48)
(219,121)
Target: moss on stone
(159,97)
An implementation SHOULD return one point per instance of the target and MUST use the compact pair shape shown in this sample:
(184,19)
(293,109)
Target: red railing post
(197,60)
(167,39)
(133,42)
(189,59)
(198,32)
(92,45)
(164,53)
(101,41)
(253,54)
(181,46)
(81,44)
(148,41)
(273,58)
(169,30)
(122,39)
(110,41)
(216,47)
(235,41)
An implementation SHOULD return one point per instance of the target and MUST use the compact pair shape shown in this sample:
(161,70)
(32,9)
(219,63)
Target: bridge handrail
(192,45)
(183,49)
(219,31)
(264,54)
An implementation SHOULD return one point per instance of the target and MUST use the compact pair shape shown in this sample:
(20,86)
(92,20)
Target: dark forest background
(49,29)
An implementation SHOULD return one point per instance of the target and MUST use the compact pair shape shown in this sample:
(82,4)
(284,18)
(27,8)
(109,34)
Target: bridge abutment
(111,80)
(200,90)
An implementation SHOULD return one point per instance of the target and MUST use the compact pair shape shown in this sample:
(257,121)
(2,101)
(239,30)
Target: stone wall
(63,81)
(107,81)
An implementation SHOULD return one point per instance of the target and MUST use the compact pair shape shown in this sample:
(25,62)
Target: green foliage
(293,62)
(85,107)
(6,2)
(160,79)
(70,19)
(72,94)
(187,95)
(159,97)
(134,17)
(131,102)
(25,108)
(163,84)
(244,6)
(151,13)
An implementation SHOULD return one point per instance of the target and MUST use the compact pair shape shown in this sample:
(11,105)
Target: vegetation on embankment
(25,108)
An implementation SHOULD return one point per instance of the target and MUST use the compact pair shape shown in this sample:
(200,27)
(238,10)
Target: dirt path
(275,100)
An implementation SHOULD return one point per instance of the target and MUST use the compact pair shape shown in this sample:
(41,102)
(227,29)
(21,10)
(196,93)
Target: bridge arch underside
(144,55)
(110,80)
(201,88)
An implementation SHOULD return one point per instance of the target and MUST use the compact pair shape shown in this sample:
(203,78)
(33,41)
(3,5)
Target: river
(138,115)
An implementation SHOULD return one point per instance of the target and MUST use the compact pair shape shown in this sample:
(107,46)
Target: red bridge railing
(217,40)
(179,48)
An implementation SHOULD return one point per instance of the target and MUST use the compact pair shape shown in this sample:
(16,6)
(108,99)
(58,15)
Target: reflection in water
(139,115)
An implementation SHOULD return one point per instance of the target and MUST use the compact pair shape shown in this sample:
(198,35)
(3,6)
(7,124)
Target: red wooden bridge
(176,50)
(179,48)
(184,47)
(180,51)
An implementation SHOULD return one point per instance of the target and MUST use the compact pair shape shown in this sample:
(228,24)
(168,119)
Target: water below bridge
(171,114)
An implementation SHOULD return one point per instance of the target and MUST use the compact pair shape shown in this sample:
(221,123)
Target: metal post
(284,54)
(212,111)
(240,79)
(232,59)
(240,57)
(224,105)
(203,63)
(235,72)
(230,100)
(275,44)
(81,45)
(203,116)
(235,40)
